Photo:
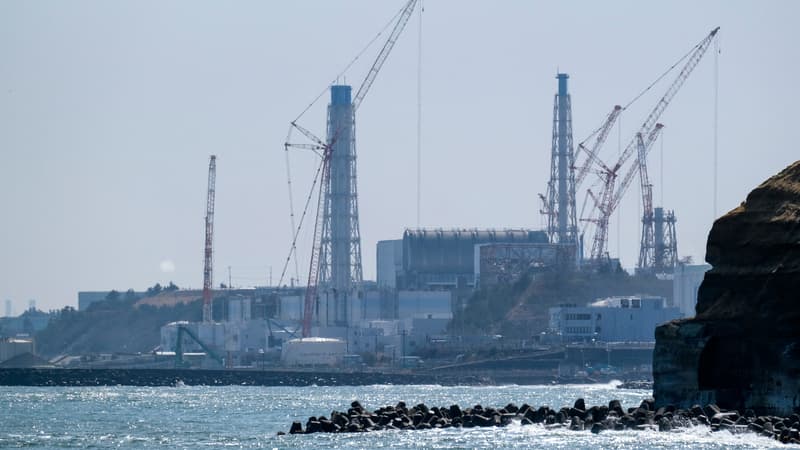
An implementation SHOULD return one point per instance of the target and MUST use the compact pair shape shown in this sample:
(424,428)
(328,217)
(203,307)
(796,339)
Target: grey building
(390,263)
(445,259)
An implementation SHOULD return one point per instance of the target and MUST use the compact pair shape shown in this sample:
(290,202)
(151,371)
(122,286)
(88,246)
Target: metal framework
(335,265)
(208,265)
(610,197)
(340,269)
(559,207)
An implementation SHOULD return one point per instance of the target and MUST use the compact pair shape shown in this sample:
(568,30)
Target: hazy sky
(109,111)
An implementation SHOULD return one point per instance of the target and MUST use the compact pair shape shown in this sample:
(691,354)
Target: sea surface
(250,417)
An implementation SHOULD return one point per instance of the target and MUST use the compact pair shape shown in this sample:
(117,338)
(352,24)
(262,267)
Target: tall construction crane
(208,265)
(326,149)
(607,204)
(646,257)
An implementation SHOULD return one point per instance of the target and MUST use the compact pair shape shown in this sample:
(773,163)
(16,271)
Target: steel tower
(560,209)
(208,265)
(340,271)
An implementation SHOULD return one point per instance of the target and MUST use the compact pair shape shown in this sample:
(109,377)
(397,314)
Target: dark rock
(455,411)
(597,428)
(575,412)
(313,426)
(742,348)
(664,425)
(296,428)
(526,421)
(580,404)
(541,414)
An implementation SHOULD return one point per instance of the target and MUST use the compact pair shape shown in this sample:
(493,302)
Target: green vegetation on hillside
(114,325)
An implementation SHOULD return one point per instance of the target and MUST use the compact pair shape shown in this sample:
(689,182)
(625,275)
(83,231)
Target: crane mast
(610,199)
(645,256)
(208,262)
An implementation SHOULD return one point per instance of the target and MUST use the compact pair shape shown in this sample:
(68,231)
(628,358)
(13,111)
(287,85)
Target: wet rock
(597,428)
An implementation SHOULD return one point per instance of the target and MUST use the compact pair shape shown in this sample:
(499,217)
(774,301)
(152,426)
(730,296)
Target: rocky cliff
(742,350)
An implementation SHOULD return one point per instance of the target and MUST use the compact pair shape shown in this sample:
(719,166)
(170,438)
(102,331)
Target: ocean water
(250,417)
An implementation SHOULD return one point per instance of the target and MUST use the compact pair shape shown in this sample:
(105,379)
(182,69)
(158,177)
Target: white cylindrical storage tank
(313,351)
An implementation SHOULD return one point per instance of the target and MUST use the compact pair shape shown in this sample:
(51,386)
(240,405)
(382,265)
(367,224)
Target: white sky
(109,111)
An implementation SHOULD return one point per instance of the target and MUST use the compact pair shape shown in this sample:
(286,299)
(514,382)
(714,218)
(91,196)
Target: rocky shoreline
(597,419)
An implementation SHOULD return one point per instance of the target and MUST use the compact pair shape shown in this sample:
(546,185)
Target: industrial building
(11,347)
(686,282)
(441,259)
(615,319)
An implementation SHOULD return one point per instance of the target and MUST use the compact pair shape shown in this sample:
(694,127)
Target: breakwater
(190,377)
(579,417)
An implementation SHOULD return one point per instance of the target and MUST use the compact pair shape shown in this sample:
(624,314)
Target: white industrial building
(615,319)
(313,351)
(685,284)
(12,347)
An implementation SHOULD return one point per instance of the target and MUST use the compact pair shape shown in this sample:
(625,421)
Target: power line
(419,118)
(716,118)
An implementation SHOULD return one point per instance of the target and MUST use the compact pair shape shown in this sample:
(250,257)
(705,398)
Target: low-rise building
(614,319)
(12,347)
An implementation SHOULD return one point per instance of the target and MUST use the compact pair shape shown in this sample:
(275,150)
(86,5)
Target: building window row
(576,316)
(579,330)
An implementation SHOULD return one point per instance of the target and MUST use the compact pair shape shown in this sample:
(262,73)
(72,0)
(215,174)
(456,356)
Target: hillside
(520,310)
(112,326)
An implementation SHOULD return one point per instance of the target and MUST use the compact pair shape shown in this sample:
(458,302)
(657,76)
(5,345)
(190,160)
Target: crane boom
(648,144)
(610,198)
(661,106)
(208,262)
(384,53)
(313,269)
(591,154)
